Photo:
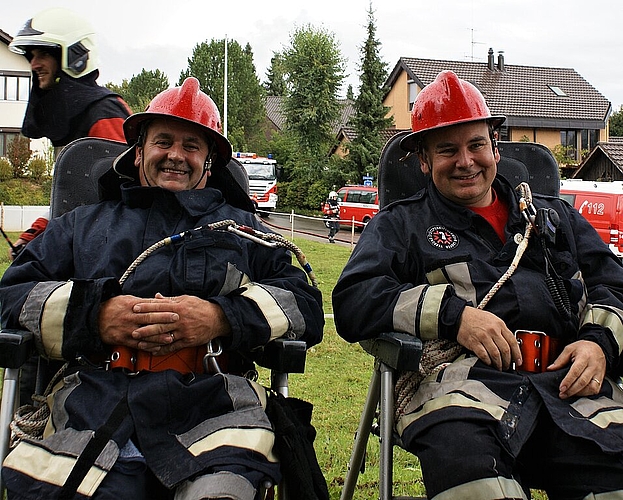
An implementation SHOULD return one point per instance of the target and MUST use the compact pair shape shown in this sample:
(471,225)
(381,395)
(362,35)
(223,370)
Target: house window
(568,140)
(557,90)
(5,140)
(589,139)
(413,92)
(14,88)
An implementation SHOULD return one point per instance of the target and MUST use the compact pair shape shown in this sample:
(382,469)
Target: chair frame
(73,187)
(393,352)
(400,176)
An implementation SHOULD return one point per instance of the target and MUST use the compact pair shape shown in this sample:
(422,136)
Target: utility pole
(225,92)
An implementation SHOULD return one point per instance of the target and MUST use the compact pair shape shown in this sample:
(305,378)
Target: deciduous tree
(314,70)
(616,123)
(245,95)
(141,89)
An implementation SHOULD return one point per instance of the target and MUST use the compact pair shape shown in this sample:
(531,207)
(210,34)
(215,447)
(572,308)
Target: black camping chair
(400,177)
(78,169)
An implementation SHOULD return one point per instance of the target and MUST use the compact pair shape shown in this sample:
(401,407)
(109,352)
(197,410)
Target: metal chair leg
(279,384)
(10,388)
(361,437)
(386,432)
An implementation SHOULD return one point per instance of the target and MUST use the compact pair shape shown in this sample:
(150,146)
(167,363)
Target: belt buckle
(538,350)
(214,350)
(122,357)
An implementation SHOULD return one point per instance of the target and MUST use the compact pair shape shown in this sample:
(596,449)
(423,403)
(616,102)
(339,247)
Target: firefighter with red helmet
(65,102)
(489,275)
(138,314)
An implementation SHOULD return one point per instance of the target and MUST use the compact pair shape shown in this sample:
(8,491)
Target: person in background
(331,211)
(486,274)
(141,412)
(65,102)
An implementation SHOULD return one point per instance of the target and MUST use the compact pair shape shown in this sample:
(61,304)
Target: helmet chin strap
(145,171)
(207,165)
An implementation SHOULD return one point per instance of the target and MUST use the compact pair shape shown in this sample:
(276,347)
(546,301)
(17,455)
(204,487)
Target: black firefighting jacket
(422,260)
(183,424)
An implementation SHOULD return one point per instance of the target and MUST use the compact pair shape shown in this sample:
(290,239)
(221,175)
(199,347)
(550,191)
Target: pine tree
(275,83)
(370,114)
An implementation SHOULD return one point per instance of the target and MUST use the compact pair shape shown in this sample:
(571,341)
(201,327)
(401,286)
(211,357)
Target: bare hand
(118,321)
(488,337)
(198,321)
(587,372)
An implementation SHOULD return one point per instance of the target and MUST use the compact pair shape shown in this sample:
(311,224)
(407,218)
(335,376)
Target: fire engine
(262,172)
(601,203)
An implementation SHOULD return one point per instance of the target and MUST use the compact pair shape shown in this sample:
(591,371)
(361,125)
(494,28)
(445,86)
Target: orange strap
(538,350)
(187,360)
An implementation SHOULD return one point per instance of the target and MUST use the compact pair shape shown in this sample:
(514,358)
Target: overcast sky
(159,34)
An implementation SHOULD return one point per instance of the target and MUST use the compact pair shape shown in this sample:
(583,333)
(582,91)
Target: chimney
(501,60)
(490,60)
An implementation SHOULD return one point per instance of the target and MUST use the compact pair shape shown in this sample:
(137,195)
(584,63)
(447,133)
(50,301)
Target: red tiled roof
(522,93)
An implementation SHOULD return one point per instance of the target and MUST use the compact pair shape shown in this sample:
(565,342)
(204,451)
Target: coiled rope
(30,420)
(439,353)
(272,240)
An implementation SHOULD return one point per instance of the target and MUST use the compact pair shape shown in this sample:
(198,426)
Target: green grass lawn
(336,382)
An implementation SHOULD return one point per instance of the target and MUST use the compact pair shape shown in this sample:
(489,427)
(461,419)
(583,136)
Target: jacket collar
(194,201)
(460,218)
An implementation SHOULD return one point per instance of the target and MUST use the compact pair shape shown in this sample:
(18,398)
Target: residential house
(604,163)
(551,106)
(346,134)
(15,79)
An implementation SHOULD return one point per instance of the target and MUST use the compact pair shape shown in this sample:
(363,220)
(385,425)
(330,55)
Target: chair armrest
(16,346)
(282,355)
(400,351)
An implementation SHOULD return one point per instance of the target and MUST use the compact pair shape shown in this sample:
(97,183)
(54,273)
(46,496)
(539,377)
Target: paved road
(305,227)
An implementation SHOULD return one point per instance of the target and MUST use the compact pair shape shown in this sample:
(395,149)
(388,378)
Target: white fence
(21,217)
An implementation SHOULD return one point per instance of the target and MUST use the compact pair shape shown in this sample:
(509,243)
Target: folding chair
(78,169)
(400,177)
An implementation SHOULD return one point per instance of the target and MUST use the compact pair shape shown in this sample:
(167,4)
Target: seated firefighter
(116,433)
(464,265)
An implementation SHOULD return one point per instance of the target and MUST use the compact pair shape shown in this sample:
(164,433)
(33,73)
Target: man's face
(45,66)
(173,155)
(461,162)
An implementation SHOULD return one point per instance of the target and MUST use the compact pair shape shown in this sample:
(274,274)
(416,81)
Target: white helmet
(60,28)
(332,195)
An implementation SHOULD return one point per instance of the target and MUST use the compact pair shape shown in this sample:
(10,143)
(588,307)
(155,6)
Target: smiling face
(461,162)
(45,65)
(173,155)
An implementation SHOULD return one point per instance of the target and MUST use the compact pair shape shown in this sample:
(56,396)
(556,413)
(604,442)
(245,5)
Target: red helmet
(187,103)
(447,101)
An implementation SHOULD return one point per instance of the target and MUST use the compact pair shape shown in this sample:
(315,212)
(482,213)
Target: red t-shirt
(495,214)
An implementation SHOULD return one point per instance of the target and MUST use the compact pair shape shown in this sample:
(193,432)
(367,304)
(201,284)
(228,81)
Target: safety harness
(537,347)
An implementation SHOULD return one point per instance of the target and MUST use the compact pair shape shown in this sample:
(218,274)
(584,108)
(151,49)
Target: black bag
(294,438)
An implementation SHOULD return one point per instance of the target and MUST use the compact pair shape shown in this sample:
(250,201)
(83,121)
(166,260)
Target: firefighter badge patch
(442,238)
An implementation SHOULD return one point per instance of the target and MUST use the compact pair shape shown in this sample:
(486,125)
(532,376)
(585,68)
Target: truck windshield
(260,170)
